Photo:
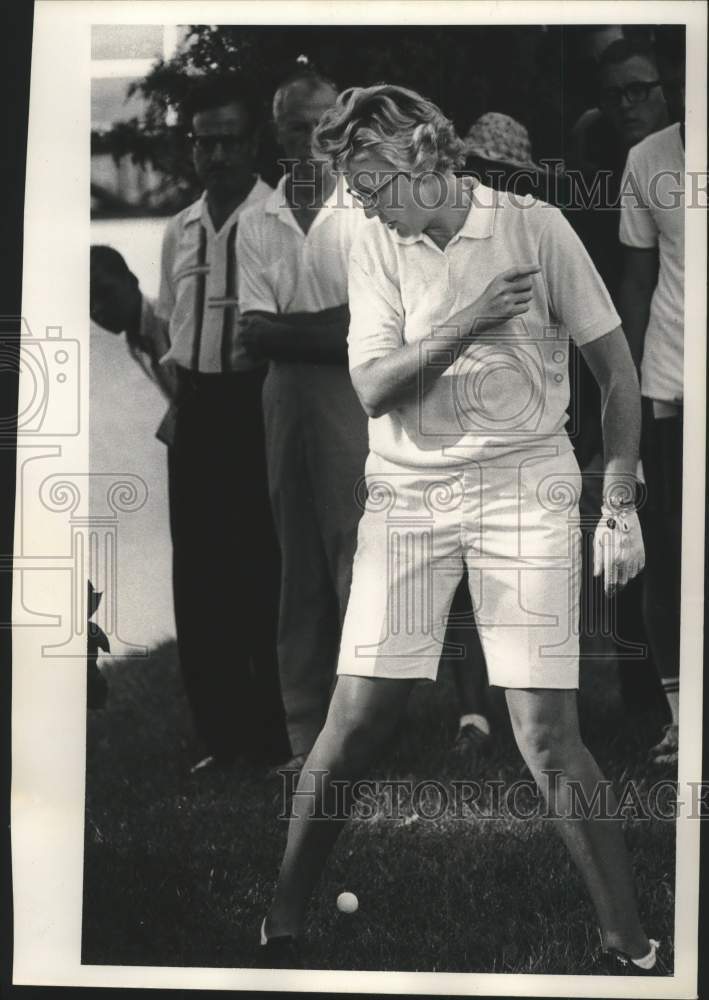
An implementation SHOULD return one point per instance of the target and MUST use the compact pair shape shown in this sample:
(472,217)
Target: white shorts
(514,523)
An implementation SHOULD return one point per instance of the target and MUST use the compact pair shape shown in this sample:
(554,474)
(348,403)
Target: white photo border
(48,711)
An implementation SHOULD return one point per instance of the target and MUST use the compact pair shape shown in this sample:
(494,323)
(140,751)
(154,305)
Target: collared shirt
(509,389)
(281,268)
(198,294)
(652,215)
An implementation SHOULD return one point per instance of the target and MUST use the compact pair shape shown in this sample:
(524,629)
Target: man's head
(114,293)
(224,120)
(298,106)
(630,91)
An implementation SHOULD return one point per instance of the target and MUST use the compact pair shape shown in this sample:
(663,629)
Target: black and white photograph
(359,533)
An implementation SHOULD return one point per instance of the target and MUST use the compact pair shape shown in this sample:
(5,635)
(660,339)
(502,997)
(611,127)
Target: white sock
(647,961)
(671,687)
(473,719)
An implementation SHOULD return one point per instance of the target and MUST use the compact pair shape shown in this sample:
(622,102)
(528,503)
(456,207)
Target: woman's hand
(618,550)
(508,295)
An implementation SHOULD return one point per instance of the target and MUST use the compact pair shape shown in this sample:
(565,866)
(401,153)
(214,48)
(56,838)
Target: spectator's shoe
(281,952)
(618,963)
(665,752)
(470,744)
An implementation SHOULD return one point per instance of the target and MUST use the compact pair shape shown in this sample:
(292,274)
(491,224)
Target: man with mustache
(225,553)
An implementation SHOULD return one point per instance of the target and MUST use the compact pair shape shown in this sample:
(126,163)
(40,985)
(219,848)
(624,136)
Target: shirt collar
(339,197)
(198,210)
(480,221)
(194,212)
(276,201)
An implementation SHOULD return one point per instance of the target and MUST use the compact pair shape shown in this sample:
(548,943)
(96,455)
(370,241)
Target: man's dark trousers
(226,566)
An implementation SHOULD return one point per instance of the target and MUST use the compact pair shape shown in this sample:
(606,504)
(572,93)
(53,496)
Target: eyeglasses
(208,143)
(370,198)
(634,93)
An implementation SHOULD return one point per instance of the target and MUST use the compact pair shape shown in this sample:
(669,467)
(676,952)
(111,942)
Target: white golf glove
(618,550)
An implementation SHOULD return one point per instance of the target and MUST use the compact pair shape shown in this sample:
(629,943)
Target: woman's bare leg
(362,714)
(545,724)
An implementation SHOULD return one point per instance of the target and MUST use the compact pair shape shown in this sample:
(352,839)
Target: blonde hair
(405,129)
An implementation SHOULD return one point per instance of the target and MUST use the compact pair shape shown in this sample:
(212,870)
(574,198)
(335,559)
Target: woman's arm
(618,545)
(395,378)
(612,366)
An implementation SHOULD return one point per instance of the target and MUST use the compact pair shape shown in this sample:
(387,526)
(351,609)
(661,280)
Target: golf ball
(347,902)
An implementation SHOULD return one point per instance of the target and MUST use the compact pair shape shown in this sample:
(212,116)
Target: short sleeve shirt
(652,216)
(509,389)
(284,270)
(198,293)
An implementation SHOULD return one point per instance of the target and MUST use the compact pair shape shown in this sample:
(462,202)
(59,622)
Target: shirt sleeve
(376,313)
(578,299)
(254,291)
(166,296)
(637,226)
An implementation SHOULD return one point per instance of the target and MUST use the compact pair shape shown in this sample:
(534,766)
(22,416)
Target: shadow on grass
(179,869)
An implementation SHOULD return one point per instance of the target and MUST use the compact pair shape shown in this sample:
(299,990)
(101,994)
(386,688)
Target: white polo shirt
(652,215)
(510,389)
(281,268)
(198,294)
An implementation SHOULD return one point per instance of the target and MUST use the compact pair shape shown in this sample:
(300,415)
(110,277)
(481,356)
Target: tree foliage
(467,70)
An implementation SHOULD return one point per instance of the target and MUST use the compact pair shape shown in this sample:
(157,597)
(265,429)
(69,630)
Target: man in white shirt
(225,553)
(293,251)
(652,307)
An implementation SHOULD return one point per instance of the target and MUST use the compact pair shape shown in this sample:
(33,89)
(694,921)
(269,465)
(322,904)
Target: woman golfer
(462,302)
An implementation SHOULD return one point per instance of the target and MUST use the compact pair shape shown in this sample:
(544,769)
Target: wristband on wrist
(617,517)
(619,499)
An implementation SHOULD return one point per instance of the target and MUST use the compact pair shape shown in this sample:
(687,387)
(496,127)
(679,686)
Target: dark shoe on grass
(615,962)
(279,952)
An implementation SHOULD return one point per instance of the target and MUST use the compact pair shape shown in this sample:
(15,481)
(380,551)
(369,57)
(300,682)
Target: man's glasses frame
(634,93)
(208,143)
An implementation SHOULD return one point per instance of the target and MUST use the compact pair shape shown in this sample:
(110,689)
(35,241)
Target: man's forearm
(315,338)
(640,272)
(166,377)
(149,333)
(634,308)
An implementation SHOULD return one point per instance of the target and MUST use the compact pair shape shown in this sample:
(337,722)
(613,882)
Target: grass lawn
(179,869)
